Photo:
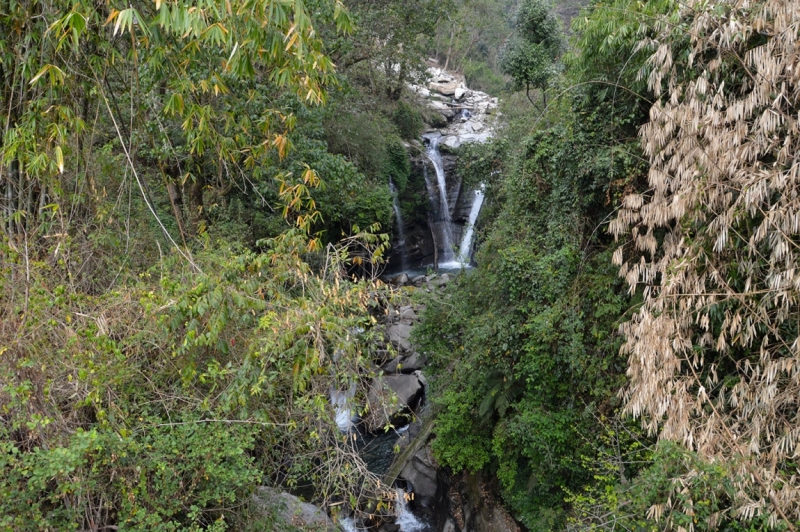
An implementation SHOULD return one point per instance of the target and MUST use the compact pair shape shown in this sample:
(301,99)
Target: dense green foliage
(188,187)
(532,378)
(179,218)
(529,340)
(469,39)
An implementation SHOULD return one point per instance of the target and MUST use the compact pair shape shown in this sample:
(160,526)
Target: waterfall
(407,521)
(447,234)
(451,258)
(398,217)
(466,242)
(465,248)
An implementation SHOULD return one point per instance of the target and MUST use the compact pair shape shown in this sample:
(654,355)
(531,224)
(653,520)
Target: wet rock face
(390,397)
(473,507)
(420,475)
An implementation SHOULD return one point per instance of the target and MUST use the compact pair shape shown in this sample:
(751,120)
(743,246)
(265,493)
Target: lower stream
(378,453)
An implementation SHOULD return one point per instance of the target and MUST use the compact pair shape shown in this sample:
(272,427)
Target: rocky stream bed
(428,498)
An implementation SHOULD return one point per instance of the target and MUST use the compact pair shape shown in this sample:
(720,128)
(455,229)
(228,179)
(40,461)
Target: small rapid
(406,520)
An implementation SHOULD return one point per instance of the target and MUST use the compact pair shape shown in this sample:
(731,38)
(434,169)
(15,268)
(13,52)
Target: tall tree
(150,74)
(530,56)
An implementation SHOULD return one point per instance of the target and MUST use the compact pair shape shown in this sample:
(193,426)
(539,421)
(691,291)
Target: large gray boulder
(412,363)
(292,511)
(391,366)
(399,334)
(447,89)
(400,280)
(407,313)
(382,406)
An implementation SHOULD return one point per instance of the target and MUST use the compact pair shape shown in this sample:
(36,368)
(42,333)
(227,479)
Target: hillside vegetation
(624,356)
(195,210)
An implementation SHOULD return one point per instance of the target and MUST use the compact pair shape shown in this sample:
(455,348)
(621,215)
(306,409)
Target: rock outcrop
(390,397)
(291,510)
(420,476)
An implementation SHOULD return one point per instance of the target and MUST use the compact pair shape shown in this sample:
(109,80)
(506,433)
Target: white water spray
(466,242)
(342,402)
(408,522)
(348,524)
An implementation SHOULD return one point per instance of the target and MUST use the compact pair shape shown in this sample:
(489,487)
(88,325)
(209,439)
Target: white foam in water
(466,242)
(407,521)
(341,402)
(348,525)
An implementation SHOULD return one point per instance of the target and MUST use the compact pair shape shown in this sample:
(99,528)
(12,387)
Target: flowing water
(342,402)
(407,521)
(398,218)
(377,452)
(446,233)
(465,249)
(452,258)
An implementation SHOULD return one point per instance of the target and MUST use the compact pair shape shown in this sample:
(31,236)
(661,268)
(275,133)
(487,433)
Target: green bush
(162,404)
(408,121)
(528,340)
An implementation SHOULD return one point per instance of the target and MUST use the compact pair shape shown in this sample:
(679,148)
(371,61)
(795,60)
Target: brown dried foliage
(714,355)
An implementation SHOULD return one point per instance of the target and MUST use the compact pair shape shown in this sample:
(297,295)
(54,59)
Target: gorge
(286,266)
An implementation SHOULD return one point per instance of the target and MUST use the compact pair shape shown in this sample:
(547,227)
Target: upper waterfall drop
(443,235)
(436,159)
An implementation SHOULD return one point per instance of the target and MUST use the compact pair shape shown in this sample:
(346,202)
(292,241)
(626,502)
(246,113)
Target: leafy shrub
(408,120)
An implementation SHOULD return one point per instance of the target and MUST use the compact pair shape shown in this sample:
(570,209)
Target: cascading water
(406,520)
(444,207)
(348,524)
(398,218)
(466,242)
(451,258)
(342,402)
(436,159)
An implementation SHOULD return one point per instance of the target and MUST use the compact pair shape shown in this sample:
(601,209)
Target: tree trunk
(197,214)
